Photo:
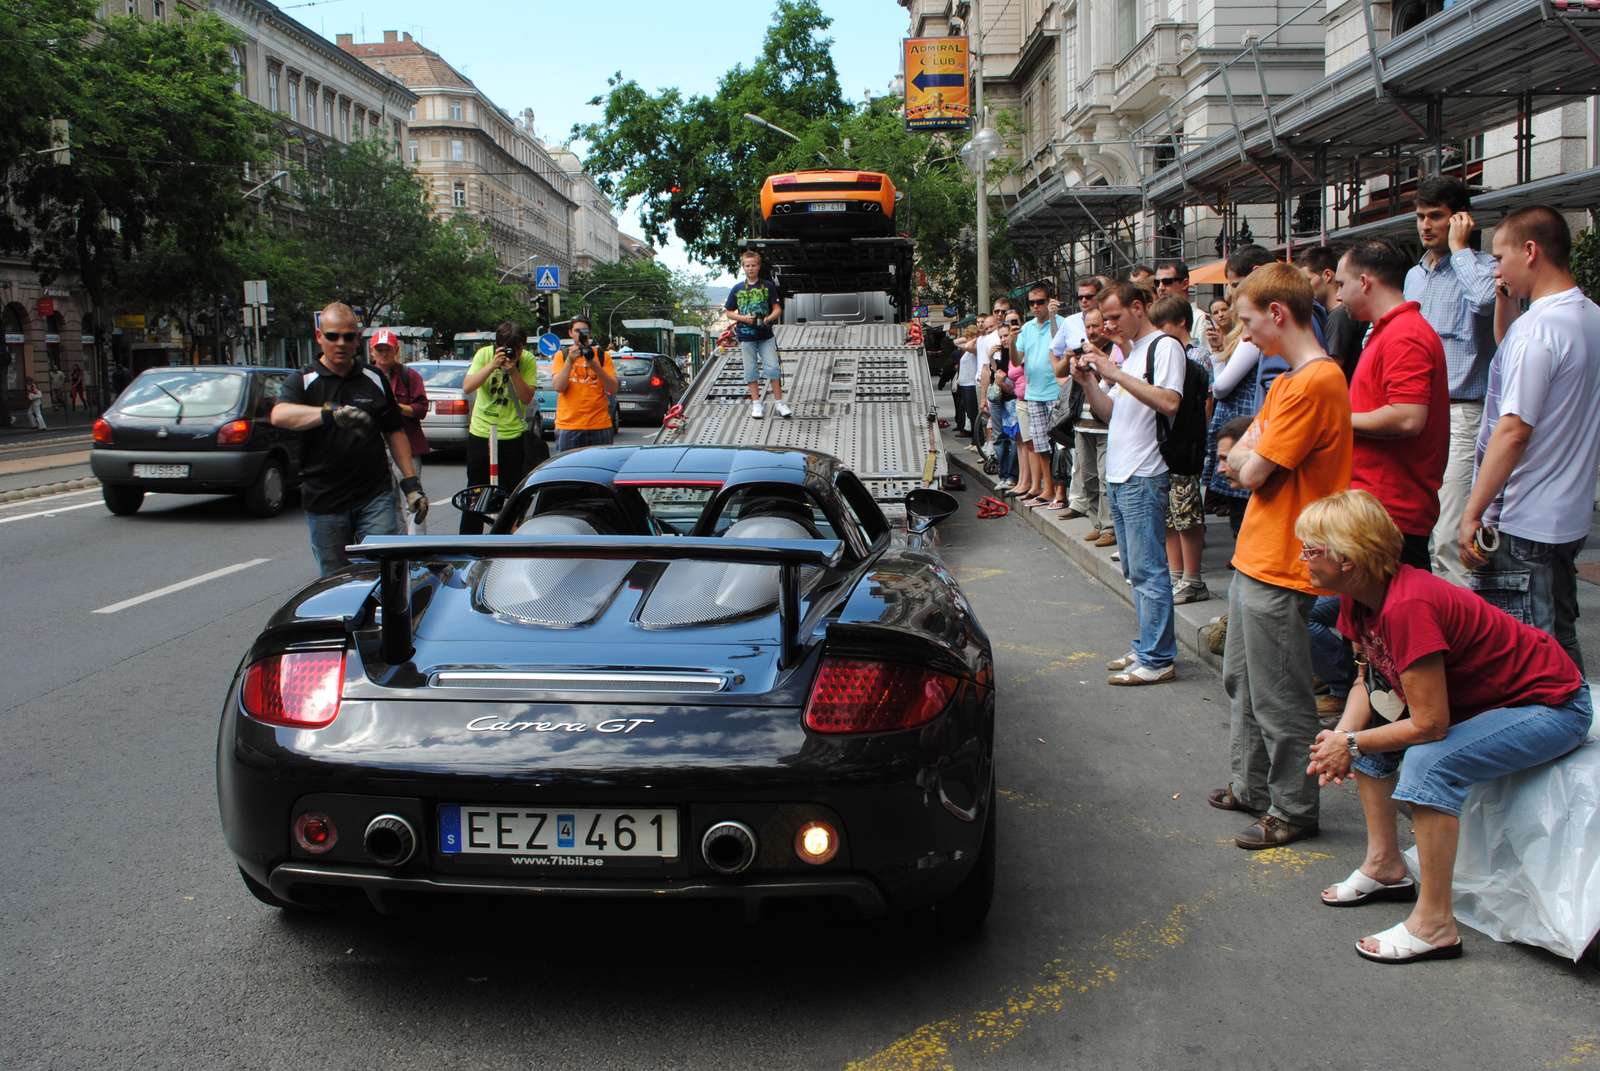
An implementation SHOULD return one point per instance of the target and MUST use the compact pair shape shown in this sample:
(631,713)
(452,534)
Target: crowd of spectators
(1406,453)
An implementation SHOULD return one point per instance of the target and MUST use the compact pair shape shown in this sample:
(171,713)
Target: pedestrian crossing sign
(547,278)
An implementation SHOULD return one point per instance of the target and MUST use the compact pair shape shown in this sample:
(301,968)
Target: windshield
(544,377)
(159,395)
(626,366)
(442,375)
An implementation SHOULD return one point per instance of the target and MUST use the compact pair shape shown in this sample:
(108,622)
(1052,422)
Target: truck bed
(858,391)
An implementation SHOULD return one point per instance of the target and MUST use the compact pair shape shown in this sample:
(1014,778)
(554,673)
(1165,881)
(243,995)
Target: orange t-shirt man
(1304,427)
(584,405)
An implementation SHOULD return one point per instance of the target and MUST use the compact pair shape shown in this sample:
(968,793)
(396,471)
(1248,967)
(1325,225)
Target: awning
(1053,213)
(1213,274)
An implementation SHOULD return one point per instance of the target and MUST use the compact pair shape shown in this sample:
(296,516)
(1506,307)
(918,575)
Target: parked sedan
(197,430)
(648,384)
(449,408)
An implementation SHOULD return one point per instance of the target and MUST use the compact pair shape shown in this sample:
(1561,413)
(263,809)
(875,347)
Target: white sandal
(1399,945)
(1358,888)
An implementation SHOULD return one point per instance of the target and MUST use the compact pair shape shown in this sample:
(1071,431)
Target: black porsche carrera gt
(668,671)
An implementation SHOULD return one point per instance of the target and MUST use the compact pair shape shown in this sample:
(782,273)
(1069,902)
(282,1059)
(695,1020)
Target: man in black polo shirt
(341,404)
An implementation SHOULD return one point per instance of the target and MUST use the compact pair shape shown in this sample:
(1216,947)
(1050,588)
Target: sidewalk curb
(1067,536)
(45,490)
(45,444)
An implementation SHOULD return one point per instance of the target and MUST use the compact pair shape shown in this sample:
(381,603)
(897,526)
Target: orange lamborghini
(828,204)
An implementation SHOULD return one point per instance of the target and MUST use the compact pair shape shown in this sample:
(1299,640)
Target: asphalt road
(1127,930)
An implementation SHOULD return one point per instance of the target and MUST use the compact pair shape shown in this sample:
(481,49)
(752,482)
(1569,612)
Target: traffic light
(541,313)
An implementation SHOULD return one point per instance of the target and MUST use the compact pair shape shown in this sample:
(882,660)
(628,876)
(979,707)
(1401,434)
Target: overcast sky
(555,57)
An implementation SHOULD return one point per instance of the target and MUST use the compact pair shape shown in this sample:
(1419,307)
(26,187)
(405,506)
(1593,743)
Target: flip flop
(1399,945)
(1360,889)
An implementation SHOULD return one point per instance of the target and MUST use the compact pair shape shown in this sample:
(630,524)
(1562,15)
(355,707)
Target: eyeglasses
(1039,301)
(1174,281)
(342,336)
(1311,553)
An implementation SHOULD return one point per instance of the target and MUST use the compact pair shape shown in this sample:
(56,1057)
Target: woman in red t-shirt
(1453,691)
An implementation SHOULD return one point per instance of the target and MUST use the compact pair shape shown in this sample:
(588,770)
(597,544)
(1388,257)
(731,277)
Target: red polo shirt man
(1399,396)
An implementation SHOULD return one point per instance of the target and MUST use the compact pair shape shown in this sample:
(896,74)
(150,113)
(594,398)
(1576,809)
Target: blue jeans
(1329,659)
(332,532)
(1005,452)
(1536,583)
(576,440)
(1139,515)
(1482,748)
(966,408)
(761,360)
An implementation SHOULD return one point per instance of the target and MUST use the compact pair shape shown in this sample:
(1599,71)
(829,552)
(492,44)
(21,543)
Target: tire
(265,497)
(966,908)
(262,893)
(122,500)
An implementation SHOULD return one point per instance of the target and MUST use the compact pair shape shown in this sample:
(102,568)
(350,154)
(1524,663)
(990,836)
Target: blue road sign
(549,344)
(547,278)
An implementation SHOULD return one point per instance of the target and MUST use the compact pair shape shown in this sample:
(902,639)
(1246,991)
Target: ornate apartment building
(483,162)
(1156,128)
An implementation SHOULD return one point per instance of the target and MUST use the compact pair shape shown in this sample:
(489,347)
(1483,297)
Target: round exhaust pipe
(390,840)
(729,847)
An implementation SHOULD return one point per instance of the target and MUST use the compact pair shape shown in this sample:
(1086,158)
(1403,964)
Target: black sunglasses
(1039,301)
(1174,281)
(342,336)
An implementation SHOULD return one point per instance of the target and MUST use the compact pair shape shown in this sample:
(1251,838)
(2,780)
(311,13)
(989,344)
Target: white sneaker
(1004,485)
(783,409)
(757,410)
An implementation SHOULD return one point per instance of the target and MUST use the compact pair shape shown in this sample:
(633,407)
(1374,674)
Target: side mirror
(926,507)
(484,502)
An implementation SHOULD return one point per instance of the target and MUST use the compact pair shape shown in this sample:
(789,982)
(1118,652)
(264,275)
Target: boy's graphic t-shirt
(753,299)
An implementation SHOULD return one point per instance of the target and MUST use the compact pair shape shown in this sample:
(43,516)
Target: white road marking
(47,512)
(45,498)
(179,586)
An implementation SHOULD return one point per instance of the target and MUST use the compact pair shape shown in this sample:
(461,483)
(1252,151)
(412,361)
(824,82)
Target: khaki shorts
(1022,421)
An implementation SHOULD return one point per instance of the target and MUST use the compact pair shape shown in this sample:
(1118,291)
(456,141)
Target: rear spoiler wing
(395,553)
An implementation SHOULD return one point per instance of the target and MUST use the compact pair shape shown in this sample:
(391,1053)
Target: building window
(361,126)
(294,98)
(240,82)
(160,10)
(416,154)
(458,151)
(397,135)
(1127,26)
(133,7)
(412,114)
(272,89)
(327,113)
(459,195)
(344,122)
(455,110)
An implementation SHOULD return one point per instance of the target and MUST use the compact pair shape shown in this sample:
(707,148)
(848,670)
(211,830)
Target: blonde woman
(1233,390)
(1483,696)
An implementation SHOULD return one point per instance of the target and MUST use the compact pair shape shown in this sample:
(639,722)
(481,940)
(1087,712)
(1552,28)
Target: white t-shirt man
(1547,372)
(1133,450)
(967,373)
(1072,335)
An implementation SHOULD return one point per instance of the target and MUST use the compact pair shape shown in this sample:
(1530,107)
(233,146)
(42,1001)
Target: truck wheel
(265,496)
(120,500)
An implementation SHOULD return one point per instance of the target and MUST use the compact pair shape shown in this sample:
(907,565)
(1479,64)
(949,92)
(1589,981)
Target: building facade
(595,237)
(480,162)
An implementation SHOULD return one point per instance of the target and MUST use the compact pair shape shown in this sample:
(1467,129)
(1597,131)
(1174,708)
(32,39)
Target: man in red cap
(411,397)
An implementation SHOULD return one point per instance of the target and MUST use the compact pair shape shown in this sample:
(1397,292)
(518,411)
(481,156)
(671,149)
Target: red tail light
(299,690)
(853,696)
(453,407)
(234,432)
(102,431)
(655,381)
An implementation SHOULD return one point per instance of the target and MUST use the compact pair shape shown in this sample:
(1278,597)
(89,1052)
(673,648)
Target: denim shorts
(1491,745)
(332,532)
(761,360)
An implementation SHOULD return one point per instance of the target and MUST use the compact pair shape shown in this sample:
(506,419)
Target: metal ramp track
(858,392)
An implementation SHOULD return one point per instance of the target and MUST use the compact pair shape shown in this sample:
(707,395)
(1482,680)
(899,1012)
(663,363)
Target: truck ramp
(858,391)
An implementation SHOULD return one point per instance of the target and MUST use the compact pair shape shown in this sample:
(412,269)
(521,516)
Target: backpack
(1182,440)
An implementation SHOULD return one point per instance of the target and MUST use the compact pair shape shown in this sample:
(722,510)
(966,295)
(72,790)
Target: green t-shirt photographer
(496,403)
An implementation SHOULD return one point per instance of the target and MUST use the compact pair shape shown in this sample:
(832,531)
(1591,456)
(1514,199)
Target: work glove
(416,501)
(357,420)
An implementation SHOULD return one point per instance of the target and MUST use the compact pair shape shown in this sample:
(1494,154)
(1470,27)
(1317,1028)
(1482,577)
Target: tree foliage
(455,286)
(636,290)
(696,163)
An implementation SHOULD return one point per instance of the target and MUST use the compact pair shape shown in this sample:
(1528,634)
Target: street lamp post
(979,162)
(758,121)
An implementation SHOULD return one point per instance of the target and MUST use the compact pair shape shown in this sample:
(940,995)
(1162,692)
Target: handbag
(1064,414)
(1385,700)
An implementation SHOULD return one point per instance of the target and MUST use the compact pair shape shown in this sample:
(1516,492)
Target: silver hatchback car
(449,408)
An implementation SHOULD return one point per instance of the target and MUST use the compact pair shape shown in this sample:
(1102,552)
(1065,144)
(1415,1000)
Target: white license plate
(544,835)
(161,472)
(627,405)
(826,206)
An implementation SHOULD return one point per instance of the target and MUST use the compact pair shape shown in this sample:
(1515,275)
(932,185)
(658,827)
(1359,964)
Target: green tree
(455,286)
(158,136)
(697,163)
(366,220)
(636,290)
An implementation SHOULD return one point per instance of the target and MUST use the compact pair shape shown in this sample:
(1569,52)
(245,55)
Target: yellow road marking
(968,575)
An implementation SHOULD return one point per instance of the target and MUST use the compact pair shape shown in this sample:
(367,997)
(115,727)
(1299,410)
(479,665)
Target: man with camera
(346,410)
(583,379)
(505,377)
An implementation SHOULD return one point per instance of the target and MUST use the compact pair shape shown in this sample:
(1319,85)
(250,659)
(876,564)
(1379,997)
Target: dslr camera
(585,348)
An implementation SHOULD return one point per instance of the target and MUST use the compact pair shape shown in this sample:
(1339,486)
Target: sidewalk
(1067,536)
(75,426)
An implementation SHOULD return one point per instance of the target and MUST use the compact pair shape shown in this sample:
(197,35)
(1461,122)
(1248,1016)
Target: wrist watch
(1350,742)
